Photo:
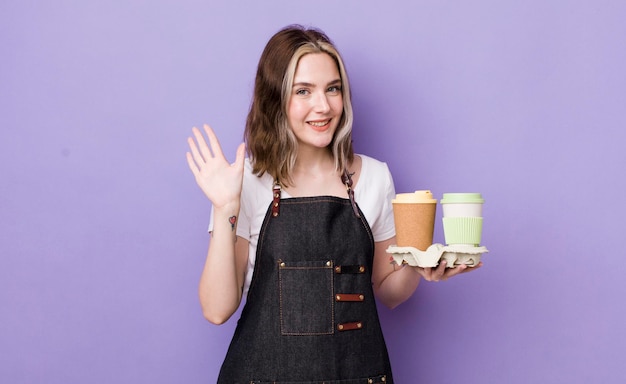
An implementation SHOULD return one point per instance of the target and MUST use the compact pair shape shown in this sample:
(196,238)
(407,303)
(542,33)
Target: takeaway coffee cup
(462,218)
(414,217)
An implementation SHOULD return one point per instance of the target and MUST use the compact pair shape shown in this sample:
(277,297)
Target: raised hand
(220,181)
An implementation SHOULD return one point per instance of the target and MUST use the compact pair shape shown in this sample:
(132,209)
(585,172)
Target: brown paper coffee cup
(414,217)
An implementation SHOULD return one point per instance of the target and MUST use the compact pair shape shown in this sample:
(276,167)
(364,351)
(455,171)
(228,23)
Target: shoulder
(375,180)
(372,168)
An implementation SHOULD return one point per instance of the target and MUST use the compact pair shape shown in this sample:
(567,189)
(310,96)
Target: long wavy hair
(270,141)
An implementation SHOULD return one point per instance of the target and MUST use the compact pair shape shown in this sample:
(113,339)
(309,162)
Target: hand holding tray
(453,254)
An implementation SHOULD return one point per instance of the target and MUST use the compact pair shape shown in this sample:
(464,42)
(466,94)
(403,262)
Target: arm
(221,282)
(222,279)
(393,284)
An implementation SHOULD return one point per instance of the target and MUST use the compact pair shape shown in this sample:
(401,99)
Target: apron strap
(276,200)
(346,178)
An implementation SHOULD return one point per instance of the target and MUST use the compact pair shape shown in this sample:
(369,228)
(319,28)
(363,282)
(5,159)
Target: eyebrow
(306,84)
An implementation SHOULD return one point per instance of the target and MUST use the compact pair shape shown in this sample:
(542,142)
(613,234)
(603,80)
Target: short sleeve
(385,228)
(374,192)
(243,223)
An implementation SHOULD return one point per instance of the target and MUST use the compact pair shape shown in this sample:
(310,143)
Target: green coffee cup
(463,230)
(462,218)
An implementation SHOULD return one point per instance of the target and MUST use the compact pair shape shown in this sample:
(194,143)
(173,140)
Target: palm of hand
(220,181)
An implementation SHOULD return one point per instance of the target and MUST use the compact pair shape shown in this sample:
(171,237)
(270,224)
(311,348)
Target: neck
(319,160)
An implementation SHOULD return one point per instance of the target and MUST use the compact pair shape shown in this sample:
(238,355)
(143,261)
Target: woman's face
(316,103)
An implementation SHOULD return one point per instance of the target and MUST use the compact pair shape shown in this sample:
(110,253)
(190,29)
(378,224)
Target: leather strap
(350,326)
(276,200)
(349,297)
(346,178)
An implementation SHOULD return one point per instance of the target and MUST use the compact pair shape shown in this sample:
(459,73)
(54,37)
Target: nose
(321,103)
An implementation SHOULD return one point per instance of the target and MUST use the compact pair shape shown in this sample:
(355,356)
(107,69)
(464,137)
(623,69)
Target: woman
(301,228)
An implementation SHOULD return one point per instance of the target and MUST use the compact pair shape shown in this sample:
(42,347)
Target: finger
(202,145)
(241,155)
(197,157)
(427,273)
(469,269)
(192,164)
(216,148)
(455,271)
(440,272)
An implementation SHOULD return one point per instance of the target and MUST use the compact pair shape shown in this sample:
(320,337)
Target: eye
(302,92)
(334,89)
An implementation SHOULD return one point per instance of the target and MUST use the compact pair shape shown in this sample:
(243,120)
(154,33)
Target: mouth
(319,125)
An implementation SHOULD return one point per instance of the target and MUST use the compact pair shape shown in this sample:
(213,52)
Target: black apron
(310,315)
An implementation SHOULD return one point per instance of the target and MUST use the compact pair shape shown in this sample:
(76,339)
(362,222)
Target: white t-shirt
(373,193)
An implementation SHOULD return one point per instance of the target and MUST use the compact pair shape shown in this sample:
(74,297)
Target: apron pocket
(306,297)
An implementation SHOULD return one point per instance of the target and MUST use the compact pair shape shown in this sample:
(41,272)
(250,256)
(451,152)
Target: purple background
(103,230)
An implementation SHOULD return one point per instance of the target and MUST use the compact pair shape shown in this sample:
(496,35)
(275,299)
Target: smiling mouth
(319,124)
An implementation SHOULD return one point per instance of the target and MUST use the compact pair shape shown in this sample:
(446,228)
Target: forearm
(393,284)
(220,287)
(398,286)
